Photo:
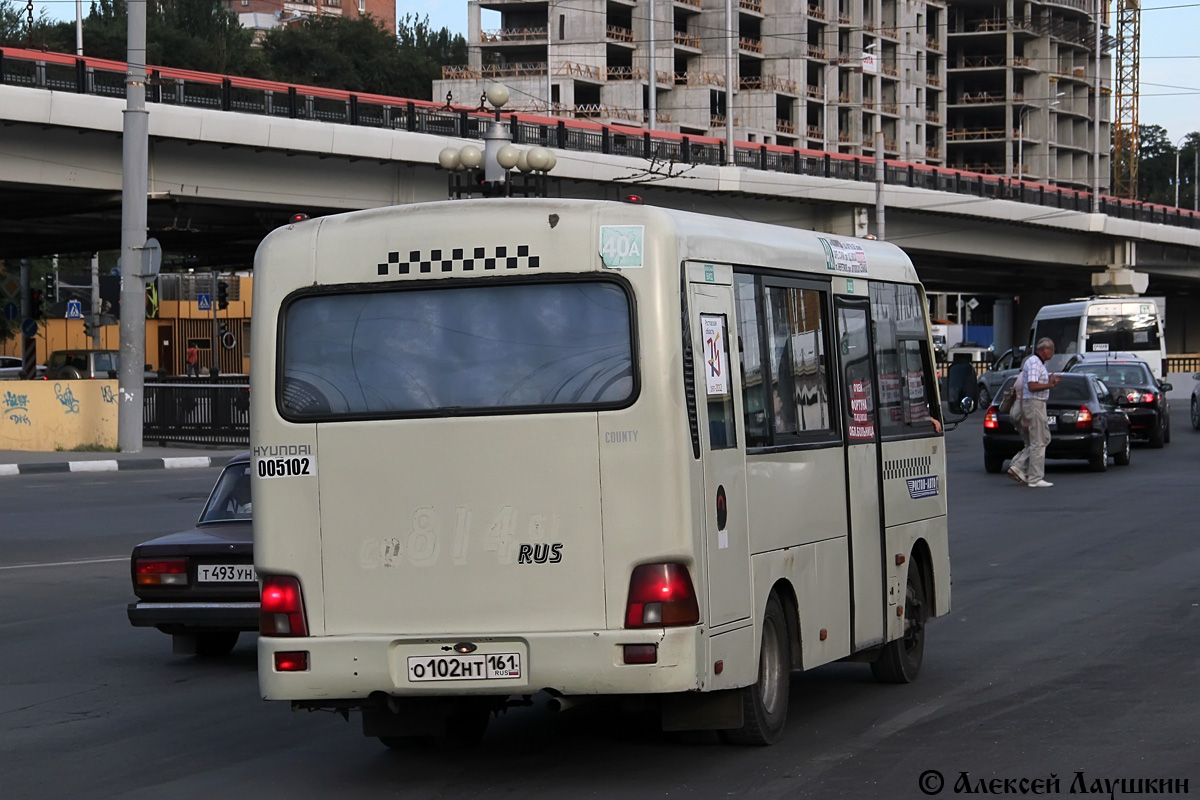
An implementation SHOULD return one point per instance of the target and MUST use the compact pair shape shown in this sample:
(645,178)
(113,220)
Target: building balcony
(814,92)
(982,98)
(625,74)
(515,70)
(891,71)
(616,33)
(815,132)
(817,53)
(785,126)
(512,36)
(699,79)
(890,108)
(747,44)
(932,80)
(890,32)
(843,18)
(980,62)
(933,116)
(770,83)
(933,43)
(692,3)
(683,39)
(844,137)
(933,153)
(976,134)
(815,11)
(583,71)
(751,5)
(718,121)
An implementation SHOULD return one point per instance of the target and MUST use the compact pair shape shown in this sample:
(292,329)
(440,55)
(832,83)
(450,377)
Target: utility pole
(95,315)
(730,77)
(653,76)
(212,299)
(134,188)
(880,177)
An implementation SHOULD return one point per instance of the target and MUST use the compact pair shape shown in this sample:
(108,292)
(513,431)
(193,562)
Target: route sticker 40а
(285,467)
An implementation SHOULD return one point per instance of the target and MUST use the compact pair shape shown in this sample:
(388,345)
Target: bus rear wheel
(765,702)
(900,659)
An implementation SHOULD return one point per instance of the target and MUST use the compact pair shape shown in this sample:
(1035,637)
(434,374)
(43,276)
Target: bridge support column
(1002,325)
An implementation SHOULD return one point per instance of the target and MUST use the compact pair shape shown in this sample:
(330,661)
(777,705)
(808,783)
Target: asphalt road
(1072,647)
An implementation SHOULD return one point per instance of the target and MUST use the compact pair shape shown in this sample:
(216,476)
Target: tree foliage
(356,55)
(1156,166)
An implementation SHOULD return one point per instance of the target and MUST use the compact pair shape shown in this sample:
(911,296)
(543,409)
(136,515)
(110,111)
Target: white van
(1103,324)
(504,447)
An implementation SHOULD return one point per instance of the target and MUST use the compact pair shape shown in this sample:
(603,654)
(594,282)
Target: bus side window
(903,359)
(754,404)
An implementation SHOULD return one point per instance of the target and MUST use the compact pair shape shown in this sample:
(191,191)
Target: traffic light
(35,304)
(222,295)
(89,325)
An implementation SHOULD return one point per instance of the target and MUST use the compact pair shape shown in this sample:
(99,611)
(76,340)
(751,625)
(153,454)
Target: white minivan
(1126,324)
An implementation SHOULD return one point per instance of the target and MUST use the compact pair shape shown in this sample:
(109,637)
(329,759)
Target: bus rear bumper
(350,668)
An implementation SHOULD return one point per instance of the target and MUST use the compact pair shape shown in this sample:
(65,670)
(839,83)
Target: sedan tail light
(160,572)
(281,610)
(660,596)
(1084,418)
(991,419)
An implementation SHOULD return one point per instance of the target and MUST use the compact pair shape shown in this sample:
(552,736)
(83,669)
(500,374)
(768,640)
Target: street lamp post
(1177,152)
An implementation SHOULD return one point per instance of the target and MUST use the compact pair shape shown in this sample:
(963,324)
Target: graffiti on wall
(16,408)
(67,398)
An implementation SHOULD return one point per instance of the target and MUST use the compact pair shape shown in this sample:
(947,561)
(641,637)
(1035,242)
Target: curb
(115,465)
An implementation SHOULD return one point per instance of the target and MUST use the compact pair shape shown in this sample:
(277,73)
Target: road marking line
(9,469)
(109,465)
(67,563)
(187,462)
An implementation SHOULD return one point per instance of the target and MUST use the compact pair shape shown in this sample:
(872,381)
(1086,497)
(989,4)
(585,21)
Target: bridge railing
(216,412)
(68,73)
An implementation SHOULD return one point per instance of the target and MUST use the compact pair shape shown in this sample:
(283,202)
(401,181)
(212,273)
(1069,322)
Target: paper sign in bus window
(716,364)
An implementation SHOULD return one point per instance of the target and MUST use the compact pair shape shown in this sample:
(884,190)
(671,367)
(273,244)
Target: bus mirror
(961,387)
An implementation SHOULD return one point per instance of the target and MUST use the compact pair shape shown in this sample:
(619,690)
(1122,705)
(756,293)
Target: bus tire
(765,702)
(900,659)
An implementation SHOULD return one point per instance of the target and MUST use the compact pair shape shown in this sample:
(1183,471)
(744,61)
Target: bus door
(867,582)
(722,449)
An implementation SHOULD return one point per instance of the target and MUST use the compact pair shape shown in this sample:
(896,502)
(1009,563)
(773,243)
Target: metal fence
(197,413)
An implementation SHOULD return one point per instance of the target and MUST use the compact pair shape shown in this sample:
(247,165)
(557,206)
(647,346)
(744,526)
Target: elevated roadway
(221,179)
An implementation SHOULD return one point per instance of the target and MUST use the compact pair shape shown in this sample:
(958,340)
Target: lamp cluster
(496,160)
(469,157)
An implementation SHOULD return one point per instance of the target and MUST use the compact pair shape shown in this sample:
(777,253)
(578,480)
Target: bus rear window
(1122,333)
(457,350)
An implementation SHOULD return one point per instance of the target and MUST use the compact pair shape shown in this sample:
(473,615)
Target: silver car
(1007,365)
(10,369)
(1196,402)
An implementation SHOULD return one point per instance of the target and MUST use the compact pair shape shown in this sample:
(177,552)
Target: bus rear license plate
(490,666)
(226,573)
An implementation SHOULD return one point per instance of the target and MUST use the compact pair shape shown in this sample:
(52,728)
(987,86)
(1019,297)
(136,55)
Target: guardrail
(67,73)
(197,413)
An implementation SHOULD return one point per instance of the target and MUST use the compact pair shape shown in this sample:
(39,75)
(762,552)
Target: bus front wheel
(765,702)
(900,659)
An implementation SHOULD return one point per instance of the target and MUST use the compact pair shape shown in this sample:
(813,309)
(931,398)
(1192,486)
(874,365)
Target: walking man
(1029,466)
(193,361)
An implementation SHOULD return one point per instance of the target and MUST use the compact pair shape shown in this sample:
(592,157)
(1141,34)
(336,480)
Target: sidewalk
(22,462)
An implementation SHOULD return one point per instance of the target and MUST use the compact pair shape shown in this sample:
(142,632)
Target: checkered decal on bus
(907,468)
(460,259)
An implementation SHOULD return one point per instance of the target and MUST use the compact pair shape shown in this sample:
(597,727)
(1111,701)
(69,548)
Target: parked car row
(64,365)
(1103,403)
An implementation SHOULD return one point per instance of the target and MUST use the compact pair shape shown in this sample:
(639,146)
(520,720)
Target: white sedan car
(10,368)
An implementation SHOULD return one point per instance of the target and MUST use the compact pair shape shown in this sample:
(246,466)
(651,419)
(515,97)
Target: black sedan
(1143,397)
(1085,423)
(199,586)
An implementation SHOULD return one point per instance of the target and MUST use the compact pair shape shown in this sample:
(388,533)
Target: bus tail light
(990,420)
(281,610)
(161,572)
(1084,418)
(660,596)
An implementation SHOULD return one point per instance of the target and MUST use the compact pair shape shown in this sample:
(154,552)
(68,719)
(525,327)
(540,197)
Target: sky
(1170,50)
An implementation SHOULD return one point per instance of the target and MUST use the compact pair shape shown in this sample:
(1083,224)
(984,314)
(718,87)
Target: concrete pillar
(1002,324)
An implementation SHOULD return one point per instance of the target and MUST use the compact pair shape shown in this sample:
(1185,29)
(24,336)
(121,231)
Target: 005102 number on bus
(293,467)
